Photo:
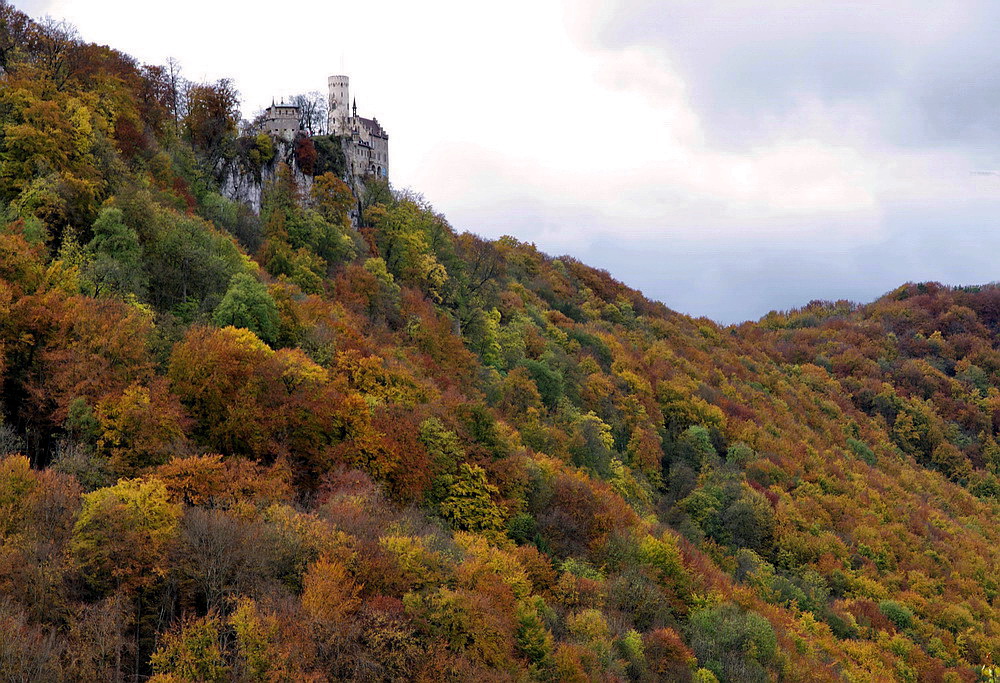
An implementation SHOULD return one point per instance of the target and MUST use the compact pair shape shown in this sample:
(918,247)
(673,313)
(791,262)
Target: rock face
(246,187)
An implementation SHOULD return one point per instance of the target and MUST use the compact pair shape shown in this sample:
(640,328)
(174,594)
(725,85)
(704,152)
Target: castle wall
(281,121)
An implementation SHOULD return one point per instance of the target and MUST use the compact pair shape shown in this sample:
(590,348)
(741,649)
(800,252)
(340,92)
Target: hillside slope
(280,447)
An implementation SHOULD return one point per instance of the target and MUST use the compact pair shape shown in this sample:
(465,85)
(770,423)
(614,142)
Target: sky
(727,158)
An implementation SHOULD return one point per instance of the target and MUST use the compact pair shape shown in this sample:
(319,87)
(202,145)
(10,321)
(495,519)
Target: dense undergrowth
(280,447)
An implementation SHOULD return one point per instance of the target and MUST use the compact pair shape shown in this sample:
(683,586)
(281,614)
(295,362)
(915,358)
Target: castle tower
(339,116)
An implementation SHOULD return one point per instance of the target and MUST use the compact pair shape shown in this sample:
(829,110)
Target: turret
(339,87)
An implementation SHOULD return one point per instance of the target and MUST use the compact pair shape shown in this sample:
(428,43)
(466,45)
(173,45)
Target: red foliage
(868,615)
(668,658)
(87,348)
(305,155)
(582,513)
(129,137)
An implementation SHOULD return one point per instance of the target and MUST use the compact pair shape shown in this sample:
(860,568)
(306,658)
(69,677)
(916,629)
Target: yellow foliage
(329,593)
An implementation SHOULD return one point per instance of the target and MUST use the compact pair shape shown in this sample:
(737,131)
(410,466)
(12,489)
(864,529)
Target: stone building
(366,144)
(282,121)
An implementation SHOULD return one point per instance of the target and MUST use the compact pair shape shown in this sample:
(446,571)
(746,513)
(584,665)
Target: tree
(221,377)
(139,429)
(123,534)
(177,87)
(14,28)
(312,112)
(305,154)
(465,499)
(248,304)
(220,556)
(332,198)
(667,656)
(592,444)
(91,348)
(192,652)
(189,262)
(263,651)
(534,640)
(329,593)
(211,119)
(329,156)
(733,643)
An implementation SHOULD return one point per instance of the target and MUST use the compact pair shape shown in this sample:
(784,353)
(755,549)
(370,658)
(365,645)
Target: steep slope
(279,447)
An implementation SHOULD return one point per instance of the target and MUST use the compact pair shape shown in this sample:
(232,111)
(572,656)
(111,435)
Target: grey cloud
(927,72)
(34,8)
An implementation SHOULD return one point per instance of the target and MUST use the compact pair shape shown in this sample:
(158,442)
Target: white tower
(340,102)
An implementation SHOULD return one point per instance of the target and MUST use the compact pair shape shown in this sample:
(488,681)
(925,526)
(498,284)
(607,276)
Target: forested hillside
(285,447)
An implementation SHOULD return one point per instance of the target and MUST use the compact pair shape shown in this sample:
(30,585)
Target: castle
(366,144)
(364,141)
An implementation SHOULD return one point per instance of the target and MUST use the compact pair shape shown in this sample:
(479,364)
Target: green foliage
(704,676)
(80,421)
(488,343)
(740,454)
(329,156)
(310,230)
(34,230)
(548,380)
(694,447)
(234,218)
(116,256)
(186,260)
(465,500)
(522,528)
(581,569)
(592,444)
(631,648)
(302,243)
(412,242)
(898,614)
(749,522)
(534,640)
(385,299)
(442,445)
(664,557)
(249,305)
(732,643)
(861,449)
(255,152)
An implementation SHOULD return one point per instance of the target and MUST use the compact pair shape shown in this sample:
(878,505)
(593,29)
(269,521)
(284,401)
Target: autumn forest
(336,439)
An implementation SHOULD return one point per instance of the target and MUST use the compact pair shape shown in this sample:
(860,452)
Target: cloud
(927,71)
(34,8)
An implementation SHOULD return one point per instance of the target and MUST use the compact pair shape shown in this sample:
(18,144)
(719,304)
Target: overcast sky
(726,157)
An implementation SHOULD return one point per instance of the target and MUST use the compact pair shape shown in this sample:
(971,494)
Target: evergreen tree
(249,305)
